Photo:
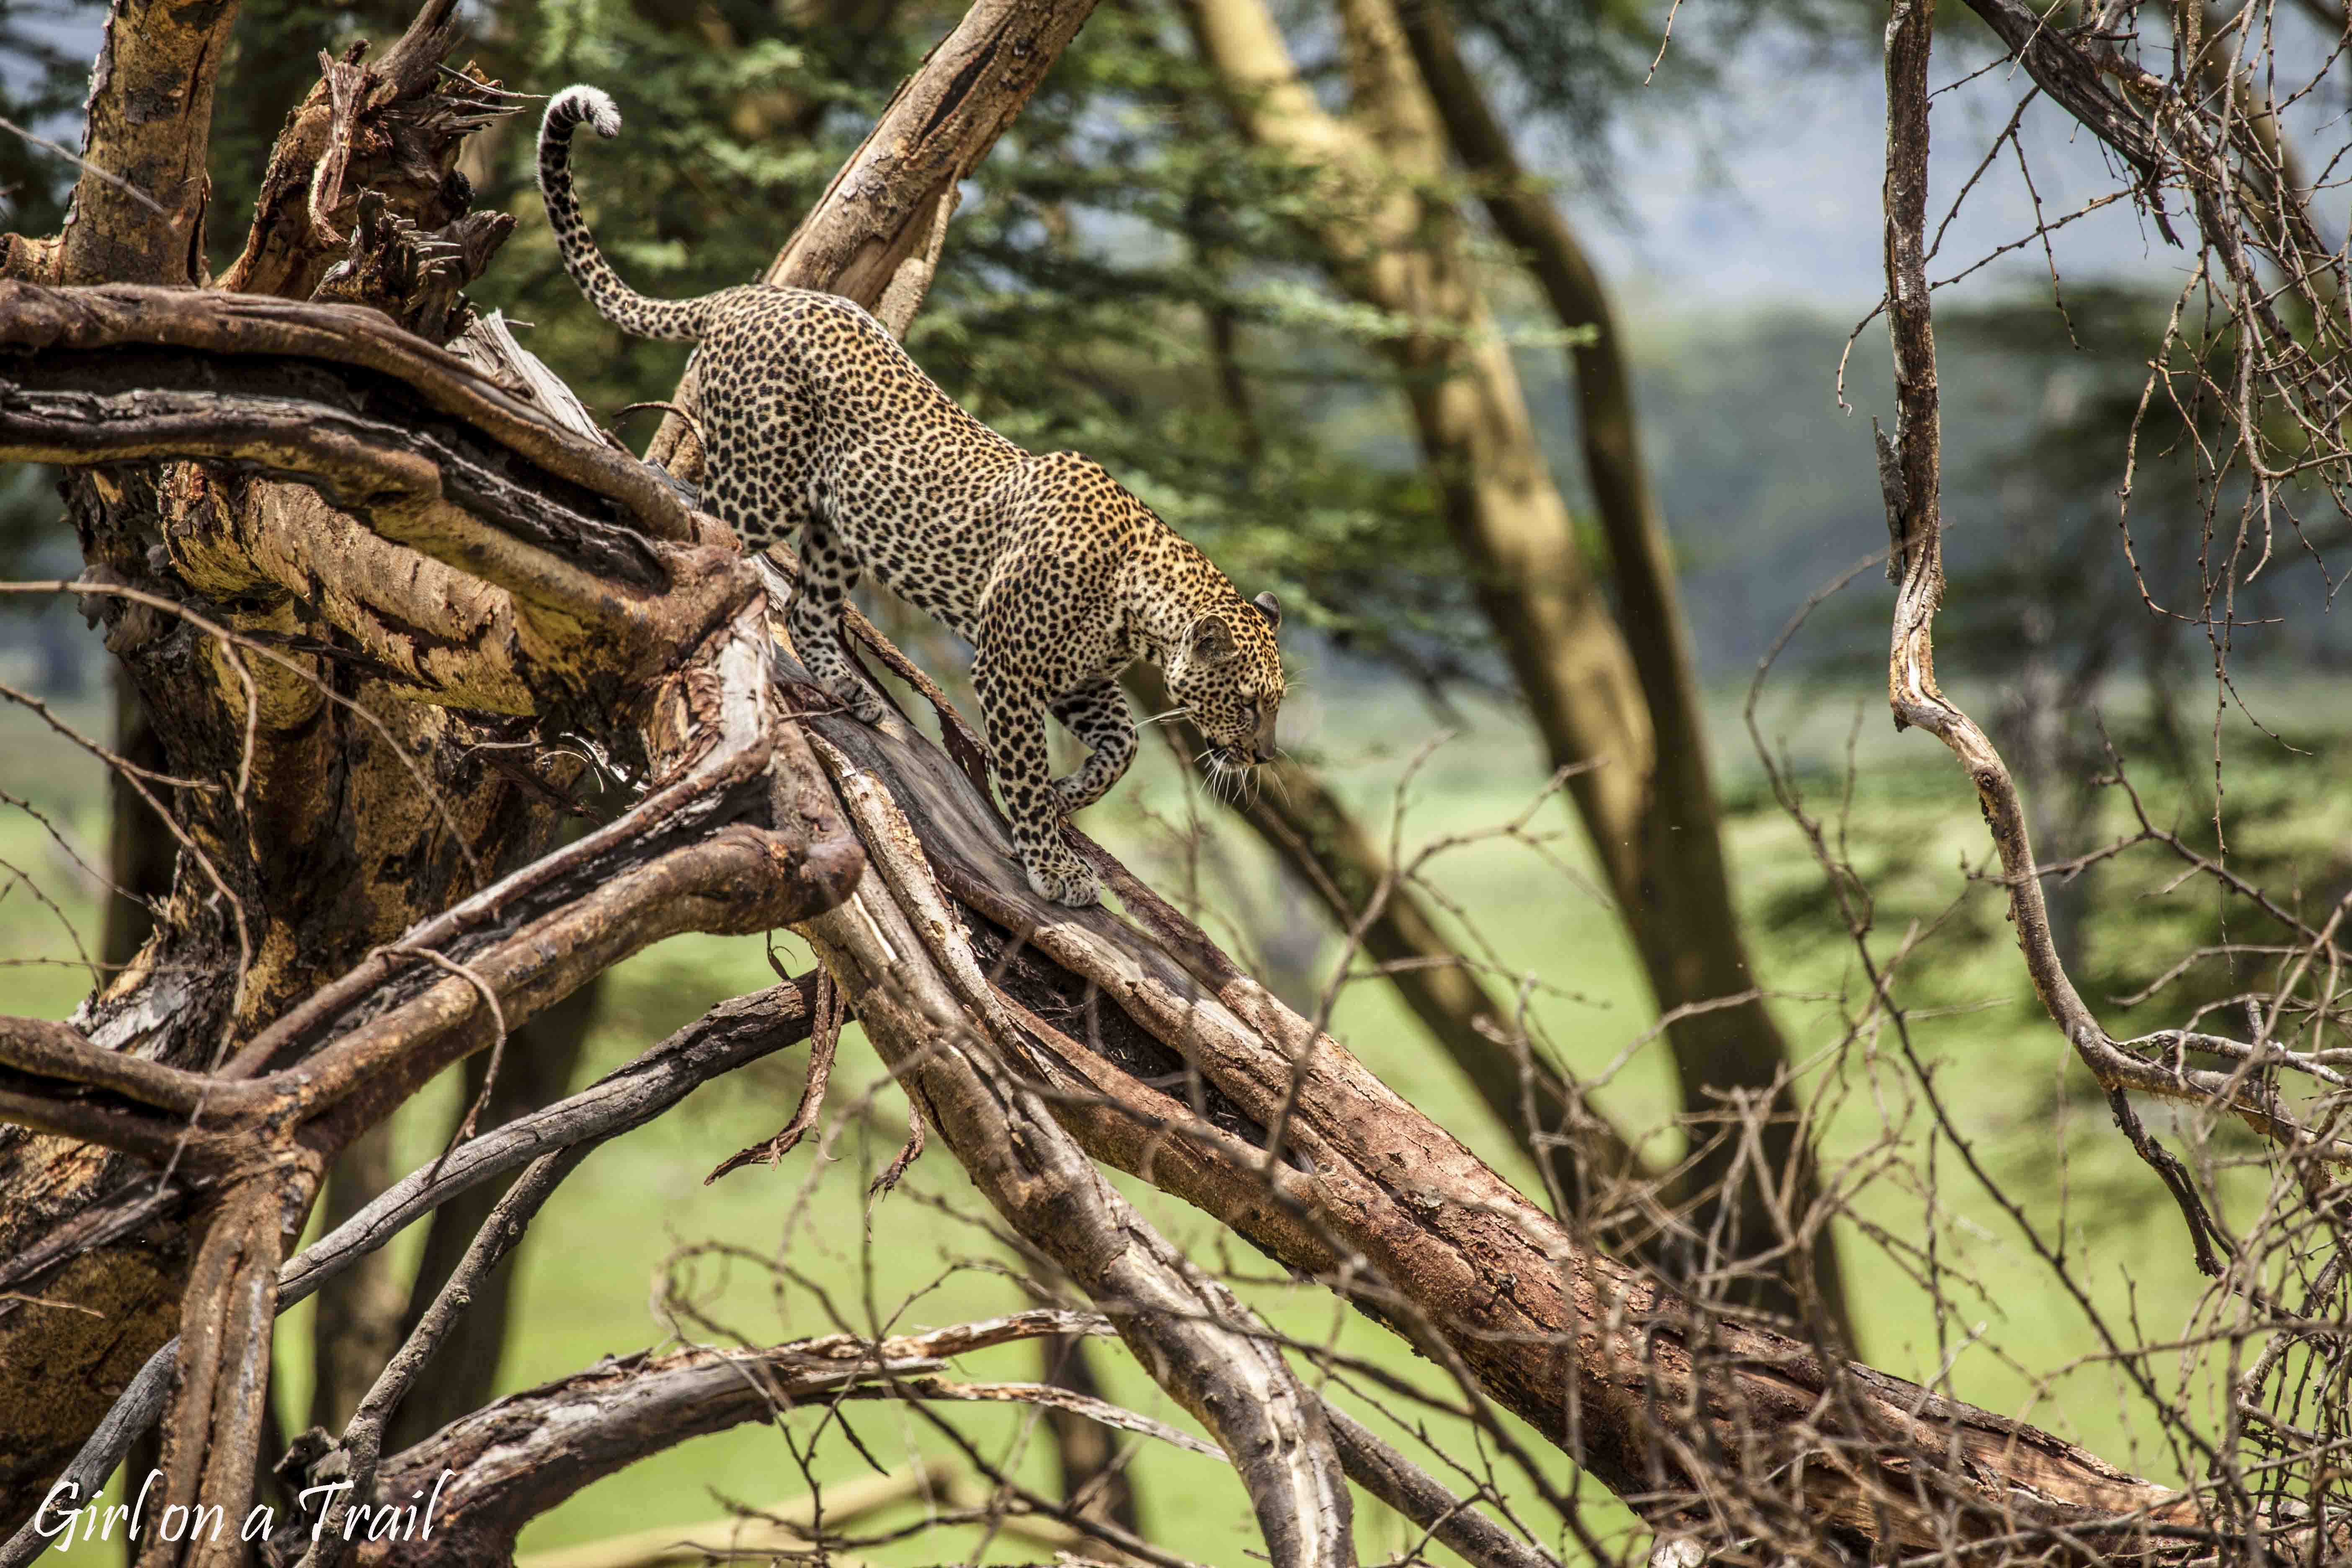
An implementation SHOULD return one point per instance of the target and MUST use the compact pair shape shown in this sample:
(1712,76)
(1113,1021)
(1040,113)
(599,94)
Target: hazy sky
(1773,194)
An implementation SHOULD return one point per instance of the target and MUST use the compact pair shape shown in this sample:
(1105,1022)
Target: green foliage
(42,80)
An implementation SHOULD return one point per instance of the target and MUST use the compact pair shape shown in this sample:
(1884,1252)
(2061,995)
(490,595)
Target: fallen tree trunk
(1710,1428)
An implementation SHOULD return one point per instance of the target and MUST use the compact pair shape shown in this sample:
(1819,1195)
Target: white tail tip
(593,104)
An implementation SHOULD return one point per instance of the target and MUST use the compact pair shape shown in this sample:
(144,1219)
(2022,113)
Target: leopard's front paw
(1063,877)
(859,698)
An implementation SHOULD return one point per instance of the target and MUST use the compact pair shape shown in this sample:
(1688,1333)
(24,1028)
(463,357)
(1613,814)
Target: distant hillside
(1771,488)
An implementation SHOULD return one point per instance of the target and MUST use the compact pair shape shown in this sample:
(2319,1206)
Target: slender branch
(515,1459)
(362,1443)
(1911,478)
(1423,1498)
(1300,817)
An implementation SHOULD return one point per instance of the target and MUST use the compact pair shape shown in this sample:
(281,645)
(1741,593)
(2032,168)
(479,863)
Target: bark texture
(326,847)
(150,122)
(659,626)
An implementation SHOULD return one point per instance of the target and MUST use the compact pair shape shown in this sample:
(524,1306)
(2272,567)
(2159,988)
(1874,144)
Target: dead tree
(337,553)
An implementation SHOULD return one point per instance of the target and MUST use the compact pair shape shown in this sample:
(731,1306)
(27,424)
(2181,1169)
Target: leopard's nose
(1262,755)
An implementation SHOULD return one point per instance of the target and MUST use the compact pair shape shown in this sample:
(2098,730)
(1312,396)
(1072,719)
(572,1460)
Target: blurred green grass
(635,1239)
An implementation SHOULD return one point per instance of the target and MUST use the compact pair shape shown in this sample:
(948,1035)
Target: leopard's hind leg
(828,572)
(828,575)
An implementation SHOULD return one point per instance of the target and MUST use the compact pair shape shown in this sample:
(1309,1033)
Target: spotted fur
(817,421)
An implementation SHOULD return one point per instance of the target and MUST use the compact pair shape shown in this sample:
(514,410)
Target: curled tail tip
(582,103)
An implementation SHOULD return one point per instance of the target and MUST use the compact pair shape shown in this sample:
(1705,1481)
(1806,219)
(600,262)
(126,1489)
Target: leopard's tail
(615,300)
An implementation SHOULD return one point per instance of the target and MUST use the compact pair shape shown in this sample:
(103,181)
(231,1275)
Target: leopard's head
(1228,676)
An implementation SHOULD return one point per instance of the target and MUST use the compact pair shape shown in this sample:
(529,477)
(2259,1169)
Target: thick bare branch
(2070,74)
(138,213)
(374,145)
(520,1457)
(1711,1427)
(110,317)
(497,490)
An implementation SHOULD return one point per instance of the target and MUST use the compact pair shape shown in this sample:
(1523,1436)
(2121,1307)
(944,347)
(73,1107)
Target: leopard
(819,429)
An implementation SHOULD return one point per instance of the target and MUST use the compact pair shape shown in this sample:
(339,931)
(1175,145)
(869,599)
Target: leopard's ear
(1211,641)
(1271,608)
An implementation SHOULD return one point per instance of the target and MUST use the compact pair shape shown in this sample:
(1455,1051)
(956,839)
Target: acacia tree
(350,540)
(1614,695)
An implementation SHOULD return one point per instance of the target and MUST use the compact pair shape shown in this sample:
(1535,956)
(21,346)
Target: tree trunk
(333,849)
(1627,718)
